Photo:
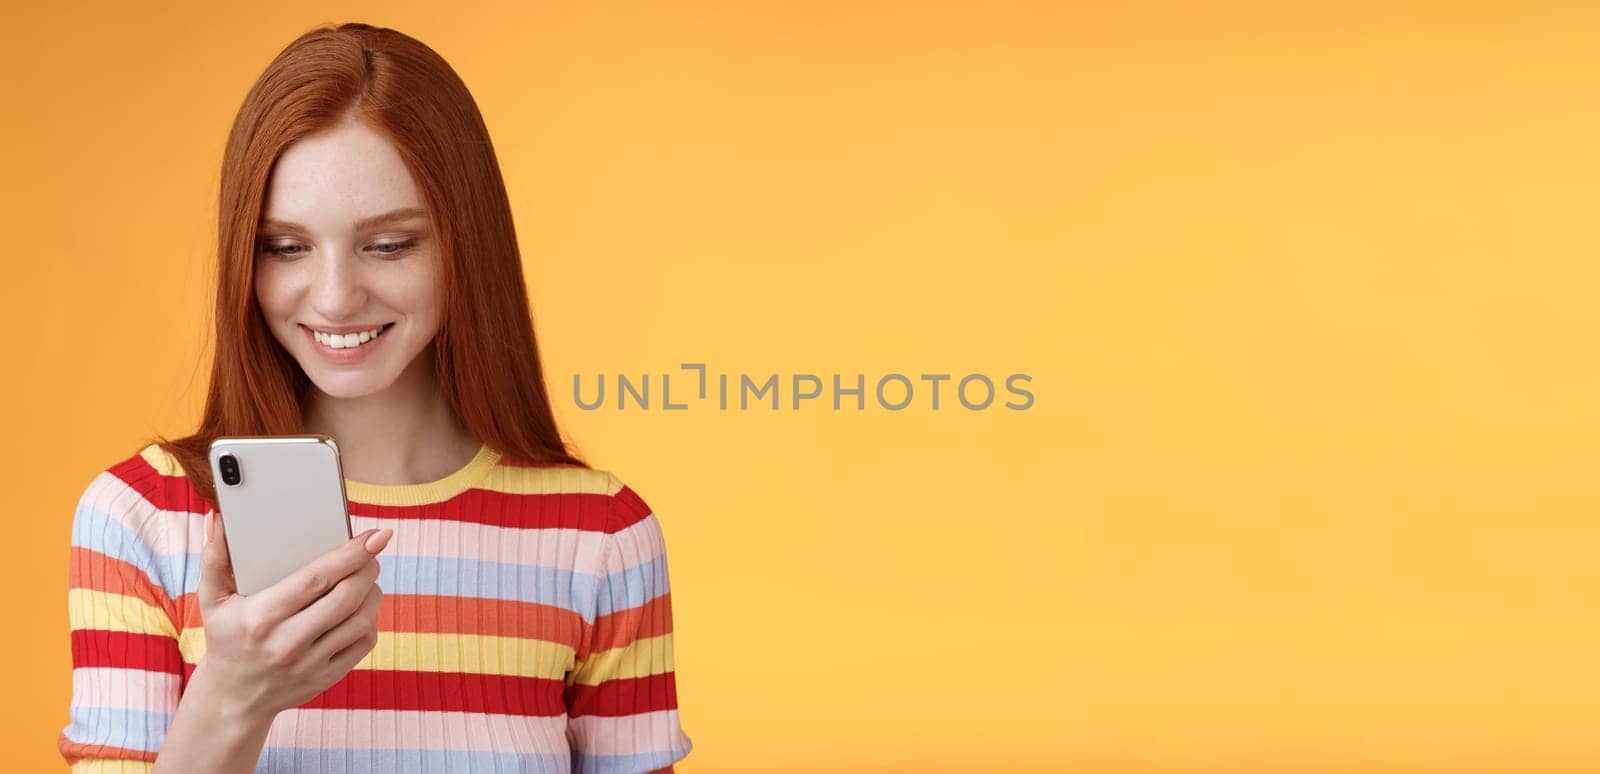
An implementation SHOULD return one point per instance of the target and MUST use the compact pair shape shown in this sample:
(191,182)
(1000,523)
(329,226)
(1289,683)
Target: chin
(350,385)
(341,391)
(339,388)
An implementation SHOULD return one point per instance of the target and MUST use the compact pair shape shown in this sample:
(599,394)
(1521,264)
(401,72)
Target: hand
(282,646)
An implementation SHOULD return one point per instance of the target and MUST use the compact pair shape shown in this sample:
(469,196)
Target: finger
(350,630)
(305,585)
(352,654)
(216,565)
(345,598)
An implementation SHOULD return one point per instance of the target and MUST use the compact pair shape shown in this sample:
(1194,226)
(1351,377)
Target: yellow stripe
(192,644)
(501,478)
(92,609)
(110,766)
(430,652)
(164,462)
(439,490)
(641,658)
(512,480)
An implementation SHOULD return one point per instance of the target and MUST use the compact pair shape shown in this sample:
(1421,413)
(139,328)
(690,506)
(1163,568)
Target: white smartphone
(282,502)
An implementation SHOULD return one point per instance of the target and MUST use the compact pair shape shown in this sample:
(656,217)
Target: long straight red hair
(486,356)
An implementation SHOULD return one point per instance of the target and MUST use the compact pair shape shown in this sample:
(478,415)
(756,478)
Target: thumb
(216,566)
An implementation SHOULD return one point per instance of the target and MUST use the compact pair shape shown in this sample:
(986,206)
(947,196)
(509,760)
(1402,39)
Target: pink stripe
(639,542)
(125,689)
(630,734)
(412,730)
(152,525)
(551,547)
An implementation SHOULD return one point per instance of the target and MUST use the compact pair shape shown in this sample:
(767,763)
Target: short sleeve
(622,701)
(126,666)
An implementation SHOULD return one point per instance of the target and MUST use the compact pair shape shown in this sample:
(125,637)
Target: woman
(504,607)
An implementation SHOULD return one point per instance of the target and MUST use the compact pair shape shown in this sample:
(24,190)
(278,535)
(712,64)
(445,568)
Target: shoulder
(133,502)
(627,506)
(147,474)
(157,476)
(600,497)
(634,543)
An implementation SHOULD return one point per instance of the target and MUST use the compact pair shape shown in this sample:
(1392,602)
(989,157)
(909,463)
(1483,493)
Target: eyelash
(399,247)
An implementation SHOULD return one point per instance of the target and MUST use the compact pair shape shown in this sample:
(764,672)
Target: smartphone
(282,502)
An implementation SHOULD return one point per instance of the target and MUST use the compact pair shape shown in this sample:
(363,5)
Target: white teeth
(345,340)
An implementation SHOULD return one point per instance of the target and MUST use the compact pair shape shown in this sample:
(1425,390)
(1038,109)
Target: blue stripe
(276,760)
(453,576)
(179,573)
(634,586)
(584,763)
(129,728)
(94,529)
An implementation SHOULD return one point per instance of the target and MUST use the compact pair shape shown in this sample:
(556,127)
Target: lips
(347,348)
(348,339)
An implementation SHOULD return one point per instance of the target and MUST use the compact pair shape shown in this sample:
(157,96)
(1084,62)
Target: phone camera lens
(229,466)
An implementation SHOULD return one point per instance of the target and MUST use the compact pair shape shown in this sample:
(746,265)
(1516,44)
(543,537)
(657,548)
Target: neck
(404,434)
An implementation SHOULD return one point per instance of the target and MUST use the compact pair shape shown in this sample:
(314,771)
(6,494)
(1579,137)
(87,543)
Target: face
(345,262)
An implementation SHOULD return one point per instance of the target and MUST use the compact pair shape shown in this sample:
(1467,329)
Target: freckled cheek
(277,291)
(412,294)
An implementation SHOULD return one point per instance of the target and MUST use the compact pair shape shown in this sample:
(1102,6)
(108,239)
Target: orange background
(1307,294)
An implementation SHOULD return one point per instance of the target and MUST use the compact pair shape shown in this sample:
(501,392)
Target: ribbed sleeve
(126,666)
(622,702)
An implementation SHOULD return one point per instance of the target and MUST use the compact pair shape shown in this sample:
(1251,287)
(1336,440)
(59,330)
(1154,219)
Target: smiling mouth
(348,340)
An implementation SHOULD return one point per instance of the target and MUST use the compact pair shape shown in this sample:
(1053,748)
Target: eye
(393,248)
(285,249)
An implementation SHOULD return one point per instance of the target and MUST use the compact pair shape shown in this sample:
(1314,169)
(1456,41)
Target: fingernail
(378,540)
(211,517)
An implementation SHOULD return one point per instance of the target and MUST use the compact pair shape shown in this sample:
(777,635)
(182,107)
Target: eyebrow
(392,216)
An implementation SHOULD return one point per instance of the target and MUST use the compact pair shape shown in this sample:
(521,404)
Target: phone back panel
(288,508)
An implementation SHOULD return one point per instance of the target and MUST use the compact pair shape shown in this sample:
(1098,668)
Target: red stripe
(627,696)
(437,691)
(628,508)
(432,613)
(125,650)
(442,691)
(454,614)
(169,493)
(562,510)
(623,627)
(74,751)
(566,510)
(386,689)
(495,694)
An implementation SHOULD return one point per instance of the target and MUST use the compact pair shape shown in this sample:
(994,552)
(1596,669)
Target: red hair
(486,356)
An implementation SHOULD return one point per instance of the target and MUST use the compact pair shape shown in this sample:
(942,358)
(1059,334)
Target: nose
(338,291)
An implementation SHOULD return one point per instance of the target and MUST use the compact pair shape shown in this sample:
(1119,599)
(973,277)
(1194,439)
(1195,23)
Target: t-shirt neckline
(426,492)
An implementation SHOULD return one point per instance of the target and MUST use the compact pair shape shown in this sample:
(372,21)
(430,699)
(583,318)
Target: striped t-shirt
(526,626)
